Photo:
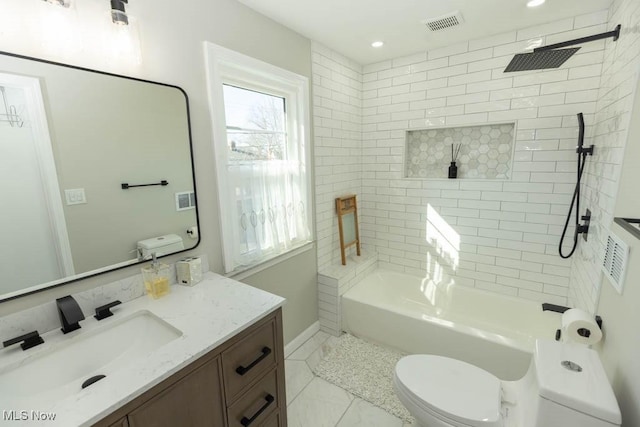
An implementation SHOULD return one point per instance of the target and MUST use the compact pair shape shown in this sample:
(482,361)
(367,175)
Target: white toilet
(565,386)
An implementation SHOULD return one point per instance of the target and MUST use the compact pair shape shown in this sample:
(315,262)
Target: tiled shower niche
(486,151)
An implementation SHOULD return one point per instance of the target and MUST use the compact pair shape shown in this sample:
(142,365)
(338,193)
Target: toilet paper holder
(561,309)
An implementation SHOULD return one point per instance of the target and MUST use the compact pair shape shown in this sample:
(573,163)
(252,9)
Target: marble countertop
(207,314)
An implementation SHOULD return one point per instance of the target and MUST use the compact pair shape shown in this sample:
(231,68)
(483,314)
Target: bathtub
(414,315)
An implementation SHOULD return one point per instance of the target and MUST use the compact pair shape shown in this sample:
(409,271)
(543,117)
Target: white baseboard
(301,339)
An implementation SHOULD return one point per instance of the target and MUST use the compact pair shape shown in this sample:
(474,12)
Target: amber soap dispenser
(156,278)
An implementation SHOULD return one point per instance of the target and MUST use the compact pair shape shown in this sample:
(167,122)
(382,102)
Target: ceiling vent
(614,265)
(443,22)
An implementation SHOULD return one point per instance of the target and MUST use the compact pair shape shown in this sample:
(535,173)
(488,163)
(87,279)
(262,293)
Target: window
(261,135)
(255,125)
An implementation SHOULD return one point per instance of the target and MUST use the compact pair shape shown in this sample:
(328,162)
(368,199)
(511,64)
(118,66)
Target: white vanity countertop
(207,314)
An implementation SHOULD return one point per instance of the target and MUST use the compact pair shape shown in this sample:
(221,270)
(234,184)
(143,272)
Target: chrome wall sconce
(118,13)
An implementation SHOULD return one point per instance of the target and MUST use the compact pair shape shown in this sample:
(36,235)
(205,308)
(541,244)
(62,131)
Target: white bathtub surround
(507,232)
(366,371)
(337,121)
(616,93)
(207,314)
(497,236)
(415,315)
(334,281)
(44,318)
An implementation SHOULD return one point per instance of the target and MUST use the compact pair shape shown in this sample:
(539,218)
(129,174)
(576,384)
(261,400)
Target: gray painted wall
(172,52)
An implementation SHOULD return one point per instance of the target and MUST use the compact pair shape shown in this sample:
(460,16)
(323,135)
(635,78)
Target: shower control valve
(581,150)
(584,228)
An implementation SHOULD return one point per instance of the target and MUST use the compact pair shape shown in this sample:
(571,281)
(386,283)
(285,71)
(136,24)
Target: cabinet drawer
(257,404)
(273,421)
(249,359)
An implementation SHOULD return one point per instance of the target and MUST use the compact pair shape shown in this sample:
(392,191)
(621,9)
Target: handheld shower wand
(582,160)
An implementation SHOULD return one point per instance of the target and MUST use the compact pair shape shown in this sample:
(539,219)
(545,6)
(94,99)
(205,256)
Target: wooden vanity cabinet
(122,422)
(238,384)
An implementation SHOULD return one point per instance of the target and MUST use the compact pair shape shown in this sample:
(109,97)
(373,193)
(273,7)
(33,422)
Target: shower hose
(582,160)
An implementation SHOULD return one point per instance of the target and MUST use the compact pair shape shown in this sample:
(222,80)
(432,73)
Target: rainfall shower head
(553,56)
(540,60)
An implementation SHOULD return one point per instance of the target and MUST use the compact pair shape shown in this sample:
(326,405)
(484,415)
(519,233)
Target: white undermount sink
(59,371)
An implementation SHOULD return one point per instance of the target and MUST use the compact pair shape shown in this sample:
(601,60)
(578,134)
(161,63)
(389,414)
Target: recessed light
(535,3)
(377,44)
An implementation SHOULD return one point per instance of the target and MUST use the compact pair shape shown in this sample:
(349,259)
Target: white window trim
(223,65)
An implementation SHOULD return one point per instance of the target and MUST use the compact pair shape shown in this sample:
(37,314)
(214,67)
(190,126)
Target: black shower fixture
(118,13)
(583,229)
(553,56)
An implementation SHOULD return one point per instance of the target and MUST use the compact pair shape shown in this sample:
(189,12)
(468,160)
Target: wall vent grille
(616,255)
(445,21)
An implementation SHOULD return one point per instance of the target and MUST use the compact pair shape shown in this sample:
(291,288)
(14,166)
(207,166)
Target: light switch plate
(75,196)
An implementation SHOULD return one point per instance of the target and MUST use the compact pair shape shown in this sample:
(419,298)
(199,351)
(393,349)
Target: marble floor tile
(316,357)
(363,414)
(314,402)
(311,345)
(298,376)
(320,404)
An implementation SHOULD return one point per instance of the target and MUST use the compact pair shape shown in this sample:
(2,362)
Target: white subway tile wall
(616,93)
(337,118)
(333,282)
(499,236)
(496,235)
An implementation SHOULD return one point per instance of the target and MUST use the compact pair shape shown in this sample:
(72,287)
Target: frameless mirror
(96,173)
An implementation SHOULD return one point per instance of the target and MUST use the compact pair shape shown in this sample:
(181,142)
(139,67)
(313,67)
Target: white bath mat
(366,371)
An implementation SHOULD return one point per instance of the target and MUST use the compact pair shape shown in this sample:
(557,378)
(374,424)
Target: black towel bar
(126,185)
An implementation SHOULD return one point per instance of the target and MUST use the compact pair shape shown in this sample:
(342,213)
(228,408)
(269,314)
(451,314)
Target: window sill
(244,272)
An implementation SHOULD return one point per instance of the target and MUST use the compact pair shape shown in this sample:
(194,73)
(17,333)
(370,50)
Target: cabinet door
(194,401)
(273,421)
(122,422)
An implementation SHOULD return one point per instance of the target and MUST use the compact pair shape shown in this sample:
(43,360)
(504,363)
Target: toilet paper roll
(193,232)
(580,327)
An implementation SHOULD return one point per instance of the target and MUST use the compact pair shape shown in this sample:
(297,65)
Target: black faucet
(70,314)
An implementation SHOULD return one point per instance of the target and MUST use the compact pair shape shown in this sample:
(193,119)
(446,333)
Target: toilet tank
(161,245)
(573,388)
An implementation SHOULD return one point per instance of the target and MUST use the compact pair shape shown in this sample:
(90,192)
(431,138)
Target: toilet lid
(453,388)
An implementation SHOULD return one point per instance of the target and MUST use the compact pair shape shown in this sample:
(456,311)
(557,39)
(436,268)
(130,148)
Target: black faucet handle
(104,311)
(30,339)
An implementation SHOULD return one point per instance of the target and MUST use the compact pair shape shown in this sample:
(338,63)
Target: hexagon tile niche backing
(485,153)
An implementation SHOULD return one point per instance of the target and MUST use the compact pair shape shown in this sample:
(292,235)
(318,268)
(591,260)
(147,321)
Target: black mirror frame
(193,172)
